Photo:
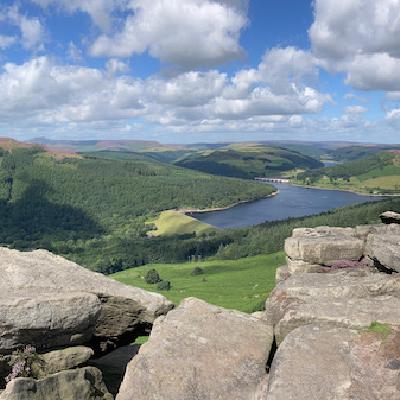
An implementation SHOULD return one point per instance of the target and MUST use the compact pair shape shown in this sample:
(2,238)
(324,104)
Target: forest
(248,161)
(96,210)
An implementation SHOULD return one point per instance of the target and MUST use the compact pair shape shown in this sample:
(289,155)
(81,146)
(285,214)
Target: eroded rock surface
(200,351)
(49,302)
(336,316)
(316,362)
(384,249)
(76,384)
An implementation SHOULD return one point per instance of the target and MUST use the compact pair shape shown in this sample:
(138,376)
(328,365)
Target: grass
(172,222)
(141,340)
(376,185)
(242,284)
(384,182)
(383,330)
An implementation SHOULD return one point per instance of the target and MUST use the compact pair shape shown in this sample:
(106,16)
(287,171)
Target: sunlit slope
(248,161)
(378,173)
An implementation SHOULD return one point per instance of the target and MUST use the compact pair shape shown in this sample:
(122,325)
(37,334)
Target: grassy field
(376,185)
(376,174)
(172,222)
(242,284)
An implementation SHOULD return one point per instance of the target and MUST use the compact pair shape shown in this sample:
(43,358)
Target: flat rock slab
(41,269)
(200,351)
(353,313)
(50,302)
(300,288)
(318,363)
(323,245)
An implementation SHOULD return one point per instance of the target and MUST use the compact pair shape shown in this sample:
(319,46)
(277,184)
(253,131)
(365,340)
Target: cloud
(31,29)
(355,110)
(100,11)
(361,38)
(42,92)
(374,72)
(393,115)
(6,41)
(282,67)
(188,33)
(114,65)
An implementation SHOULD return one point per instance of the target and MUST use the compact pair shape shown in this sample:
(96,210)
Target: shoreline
(189,211)
(345,190)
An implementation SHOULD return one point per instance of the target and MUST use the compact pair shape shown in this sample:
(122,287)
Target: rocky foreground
(330,331)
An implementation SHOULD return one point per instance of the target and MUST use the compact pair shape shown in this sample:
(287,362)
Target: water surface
(292,201)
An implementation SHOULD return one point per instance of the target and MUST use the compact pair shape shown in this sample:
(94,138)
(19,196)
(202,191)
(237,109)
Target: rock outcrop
(310,249)
(55,305)
(331,328)
(49,302)
(200,351)
(336,316)
(75,384)
(390,217)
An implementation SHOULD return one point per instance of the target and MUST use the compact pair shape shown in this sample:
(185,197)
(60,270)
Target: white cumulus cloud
(360,37)
(189,33)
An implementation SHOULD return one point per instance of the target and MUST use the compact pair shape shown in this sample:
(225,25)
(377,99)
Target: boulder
(390,217)
(50,302)
(46,320)
(76,384)
(200,351)
(323,363)
(322,245)
(385,250)
(60,360)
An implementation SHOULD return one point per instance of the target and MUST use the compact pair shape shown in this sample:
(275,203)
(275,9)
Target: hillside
(95,210)
(378,174)
(351,153)
(248,161)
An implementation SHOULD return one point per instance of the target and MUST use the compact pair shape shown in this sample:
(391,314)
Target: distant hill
(83,146)
(349,153)
(377,173)
(248,161)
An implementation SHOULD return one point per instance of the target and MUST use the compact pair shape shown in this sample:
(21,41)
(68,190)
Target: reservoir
(291,201)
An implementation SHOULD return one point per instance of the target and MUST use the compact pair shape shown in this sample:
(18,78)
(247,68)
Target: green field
(172,222)
(242,284)
(376,174)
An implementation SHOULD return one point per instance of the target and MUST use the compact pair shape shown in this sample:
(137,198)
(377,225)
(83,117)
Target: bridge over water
(273,180)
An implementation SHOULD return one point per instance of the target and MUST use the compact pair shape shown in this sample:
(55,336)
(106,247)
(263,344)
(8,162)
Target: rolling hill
(377,174)
(95,209)
(248,161)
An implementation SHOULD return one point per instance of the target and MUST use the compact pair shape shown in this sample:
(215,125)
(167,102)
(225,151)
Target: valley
(113,209)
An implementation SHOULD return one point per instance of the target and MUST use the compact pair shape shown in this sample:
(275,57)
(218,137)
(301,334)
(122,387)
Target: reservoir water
(292,201)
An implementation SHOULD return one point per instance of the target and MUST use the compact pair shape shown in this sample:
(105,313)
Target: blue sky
(182,71)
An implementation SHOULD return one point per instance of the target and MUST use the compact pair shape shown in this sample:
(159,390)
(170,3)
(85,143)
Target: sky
(184,71)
